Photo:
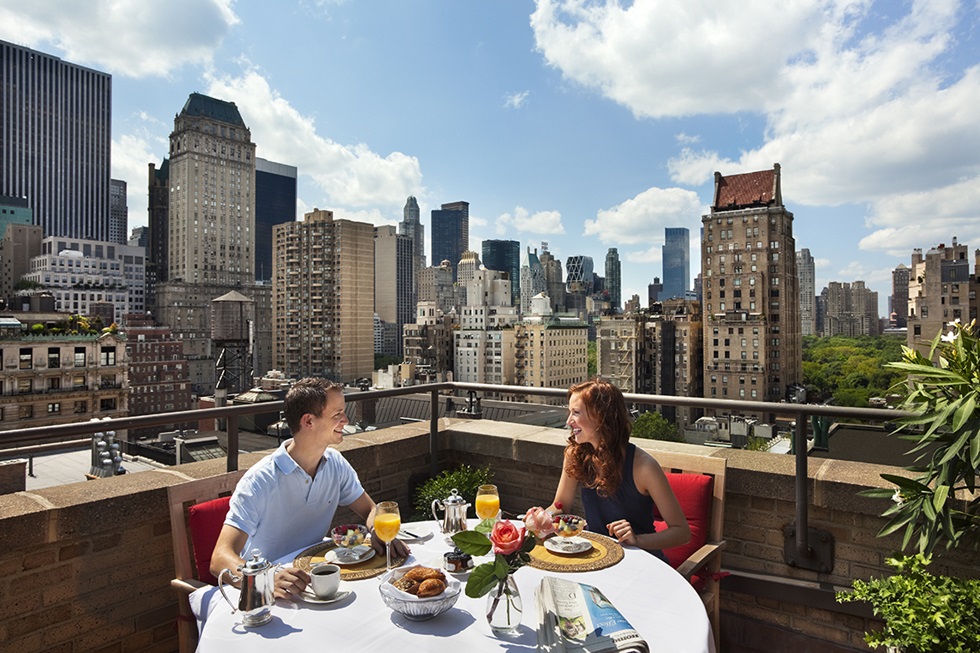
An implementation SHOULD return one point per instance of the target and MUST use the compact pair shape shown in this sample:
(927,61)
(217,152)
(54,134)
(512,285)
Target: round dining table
(657,601)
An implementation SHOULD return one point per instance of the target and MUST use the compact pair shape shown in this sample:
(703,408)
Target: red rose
(506,538)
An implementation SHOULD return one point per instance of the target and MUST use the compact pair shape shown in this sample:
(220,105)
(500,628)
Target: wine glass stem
(388,554)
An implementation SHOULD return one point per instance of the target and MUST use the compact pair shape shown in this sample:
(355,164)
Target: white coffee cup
(325,580)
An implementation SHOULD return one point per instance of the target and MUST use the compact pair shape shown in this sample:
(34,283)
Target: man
(288,499)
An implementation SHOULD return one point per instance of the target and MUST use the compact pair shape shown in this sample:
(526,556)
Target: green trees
(654,426)
(850,370)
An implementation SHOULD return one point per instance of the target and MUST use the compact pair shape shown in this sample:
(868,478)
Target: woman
(621,483)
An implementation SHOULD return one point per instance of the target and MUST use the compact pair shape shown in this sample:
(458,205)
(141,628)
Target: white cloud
(353,176)
(516,100)
(651,255)
(821,263)
(856,103)
(687,139)
(123,37)
(642,219)
(522,220)
(131,154)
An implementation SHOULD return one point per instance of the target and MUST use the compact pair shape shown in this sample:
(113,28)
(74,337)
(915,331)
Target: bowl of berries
(569,529)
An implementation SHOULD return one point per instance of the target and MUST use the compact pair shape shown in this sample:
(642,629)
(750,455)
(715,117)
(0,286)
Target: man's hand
(398,548)
(290,583)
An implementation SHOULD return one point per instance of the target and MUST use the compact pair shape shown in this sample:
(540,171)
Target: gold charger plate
(370,568)
(605,552)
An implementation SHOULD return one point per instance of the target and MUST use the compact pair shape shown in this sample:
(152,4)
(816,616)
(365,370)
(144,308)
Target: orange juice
(487,506)
(386,526)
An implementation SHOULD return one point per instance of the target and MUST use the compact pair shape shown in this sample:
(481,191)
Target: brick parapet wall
(13,475)
(86,567)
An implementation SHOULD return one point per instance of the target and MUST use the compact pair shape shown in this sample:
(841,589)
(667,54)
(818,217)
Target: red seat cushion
(204,521)
(693,492)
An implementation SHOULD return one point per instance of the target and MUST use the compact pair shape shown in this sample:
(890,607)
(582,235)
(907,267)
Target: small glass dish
(569,525)
(348,536)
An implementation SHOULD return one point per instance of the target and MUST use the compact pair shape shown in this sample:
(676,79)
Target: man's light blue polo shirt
(282,509)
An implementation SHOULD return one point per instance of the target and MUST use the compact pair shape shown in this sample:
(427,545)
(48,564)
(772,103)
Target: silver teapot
(257,578)
(454,519)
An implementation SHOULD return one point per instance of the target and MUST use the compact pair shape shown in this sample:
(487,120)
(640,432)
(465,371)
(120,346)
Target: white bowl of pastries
(419,593)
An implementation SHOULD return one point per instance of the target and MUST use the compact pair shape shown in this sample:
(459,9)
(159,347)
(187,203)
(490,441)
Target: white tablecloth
(654,598)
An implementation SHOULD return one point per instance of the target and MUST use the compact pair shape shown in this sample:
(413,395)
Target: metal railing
(806,547)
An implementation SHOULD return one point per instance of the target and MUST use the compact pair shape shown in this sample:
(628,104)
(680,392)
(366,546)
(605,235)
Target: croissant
(431,587)
(406,585)
(424,573)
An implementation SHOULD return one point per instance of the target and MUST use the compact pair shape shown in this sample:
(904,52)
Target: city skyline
(550,136)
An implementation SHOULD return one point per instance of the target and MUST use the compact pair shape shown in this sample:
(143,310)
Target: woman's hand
(623,532)
(290,583)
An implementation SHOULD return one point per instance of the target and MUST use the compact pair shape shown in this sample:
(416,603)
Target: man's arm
(289,582)
(365,508)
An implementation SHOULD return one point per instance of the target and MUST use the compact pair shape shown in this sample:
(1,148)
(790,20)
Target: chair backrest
(699,484)
(197,511)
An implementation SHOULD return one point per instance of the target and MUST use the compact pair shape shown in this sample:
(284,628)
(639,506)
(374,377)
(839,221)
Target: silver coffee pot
(257,595)
(454,519)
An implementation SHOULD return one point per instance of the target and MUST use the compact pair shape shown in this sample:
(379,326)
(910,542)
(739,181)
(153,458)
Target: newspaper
(575,617)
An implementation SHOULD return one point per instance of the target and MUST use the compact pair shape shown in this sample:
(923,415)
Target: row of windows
(26,411)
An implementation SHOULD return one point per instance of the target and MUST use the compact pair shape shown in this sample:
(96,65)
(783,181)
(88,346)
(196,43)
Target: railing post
(433,432)
(232,465)
(805,547)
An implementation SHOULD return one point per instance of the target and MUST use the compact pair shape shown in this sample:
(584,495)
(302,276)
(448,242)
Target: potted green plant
(923,613)
(945,398)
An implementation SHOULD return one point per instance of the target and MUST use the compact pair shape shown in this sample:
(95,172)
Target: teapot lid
(454,499)
(256,564)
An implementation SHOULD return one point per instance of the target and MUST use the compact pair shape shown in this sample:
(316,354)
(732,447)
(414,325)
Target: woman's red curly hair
(600,467)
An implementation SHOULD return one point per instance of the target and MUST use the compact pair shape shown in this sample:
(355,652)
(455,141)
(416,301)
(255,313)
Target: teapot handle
(436,502)
(221,588)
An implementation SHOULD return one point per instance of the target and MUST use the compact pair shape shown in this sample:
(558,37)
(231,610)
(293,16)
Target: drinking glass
(387,521)
(487,502)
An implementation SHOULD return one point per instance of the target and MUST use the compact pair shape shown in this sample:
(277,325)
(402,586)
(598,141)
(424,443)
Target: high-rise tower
(275,203)
(394,281)
(505,255)
(805,270)
(412,227)
(899,300)
(212,195)
(677,262)
(752,342)
(614,280)
(450,233)
(55,139)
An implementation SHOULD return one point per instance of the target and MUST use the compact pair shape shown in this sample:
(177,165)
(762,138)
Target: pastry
(431,587)
(406,585)
(424,573)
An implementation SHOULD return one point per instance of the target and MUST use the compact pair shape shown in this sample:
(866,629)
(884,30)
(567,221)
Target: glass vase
(504,607)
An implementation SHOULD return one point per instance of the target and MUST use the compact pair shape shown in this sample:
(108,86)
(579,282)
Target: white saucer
(567,545)
(341,556)
(308,596)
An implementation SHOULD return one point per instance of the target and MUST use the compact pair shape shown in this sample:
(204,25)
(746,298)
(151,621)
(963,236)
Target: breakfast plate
(308,596)
(342,556)
(416,533)
(567,545)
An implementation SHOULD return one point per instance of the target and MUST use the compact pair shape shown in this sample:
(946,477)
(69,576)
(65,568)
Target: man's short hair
(307,396)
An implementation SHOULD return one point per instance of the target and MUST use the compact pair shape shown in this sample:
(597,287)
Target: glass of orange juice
(487,502)
(387,521)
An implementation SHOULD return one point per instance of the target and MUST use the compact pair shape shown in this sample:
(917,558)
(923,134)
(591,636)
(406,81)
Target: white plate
(353,556)
(419,534)
(308,596)
(567,545)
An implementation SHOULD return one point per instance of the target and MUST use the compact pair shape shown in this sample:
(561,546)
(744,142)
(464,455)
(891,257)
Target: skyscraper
(394,281)
(532,279)
(899,301)
(852,310)
(614,280)
(805,270)
(450,233)
(55,138)
(212,195)
(275,203)
(505,255)
(412,227)
(752,342)
(118,212)
(323,298)
(677,262)
(553,279)
(941,289)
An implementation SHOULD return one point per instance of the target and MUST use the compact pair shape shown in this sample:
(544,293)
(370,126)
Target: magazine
(575,617)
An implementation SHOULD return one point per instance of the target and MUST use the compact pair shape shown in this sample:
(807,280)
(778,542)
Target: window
(107,356)
(54,357)
(54,383)
(25,386)
(81,407)
(54,408)
(79,356)
(107,404)
(26,358)
(26,412)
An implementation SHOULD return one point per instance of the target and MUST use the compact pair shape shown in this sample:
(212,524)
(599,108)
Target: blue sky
(581,123)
